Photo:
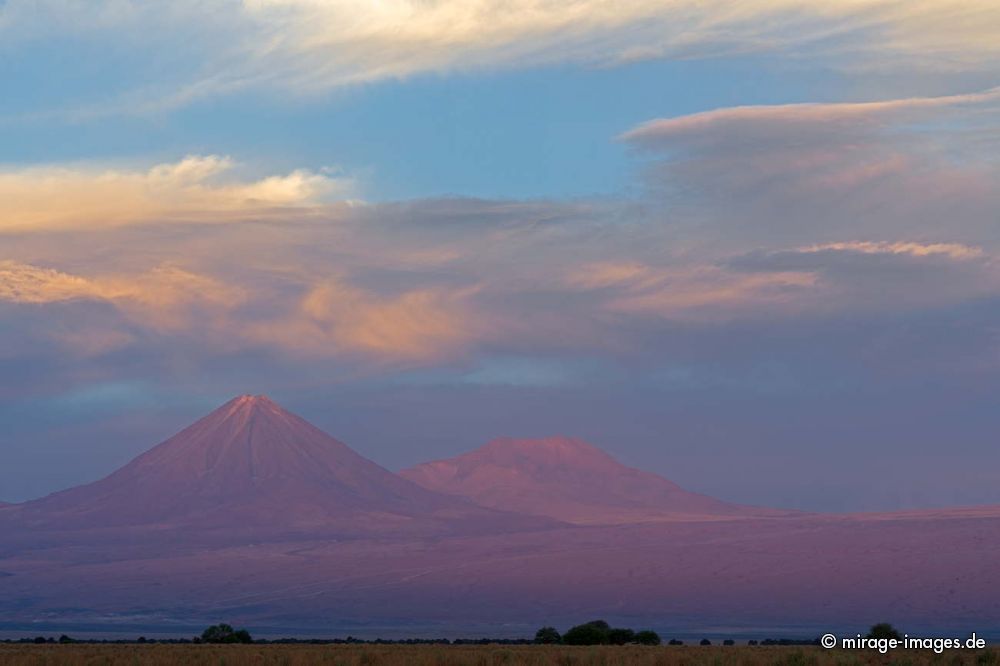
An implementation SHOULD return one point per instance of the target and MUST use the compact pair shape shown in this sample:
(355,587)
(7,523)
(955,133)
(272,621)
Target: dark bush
(547,635)
(705,641)
(674,641)
(591,633)
(224,633)
(729,641)
(884,630)
(647,637)
(617,636)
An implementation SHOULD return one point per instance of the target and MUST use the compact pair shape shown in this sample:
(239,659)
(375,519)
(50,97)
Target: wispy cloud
(913,249)
(787,120)
(317,45)
(697,292)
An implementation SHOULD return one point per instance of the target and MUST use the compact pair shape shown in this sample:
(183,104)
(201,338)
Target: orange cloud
(23,283)
(610,274)
(333,318)
(161,298)
(194,189)
(336,318)
(708,293)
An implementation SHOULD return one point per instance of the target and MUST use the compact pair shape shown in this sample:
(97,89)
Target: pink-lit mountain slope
(569,480)
(251,467)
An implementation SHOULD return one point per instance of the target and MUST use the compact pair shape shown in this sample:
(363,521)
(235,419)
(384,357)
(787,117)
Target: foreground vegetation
(467,655)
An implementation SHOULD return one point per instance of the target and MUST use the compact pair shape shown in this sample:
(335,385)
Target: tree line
(595,632)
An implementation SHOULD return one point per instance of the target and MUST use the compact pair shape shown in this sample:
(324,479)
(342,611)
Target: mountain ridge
(570,480)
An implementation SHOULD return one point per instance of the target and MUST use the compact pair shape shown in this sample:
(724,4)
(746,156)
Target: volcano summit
(254,469)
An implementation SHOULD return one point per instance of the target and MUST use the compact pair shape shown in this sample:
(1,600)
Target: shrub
(591,633)
(647,637)
(884,630)
(224,633)
(674,641)
(618,636)
(547,635)
(705,641)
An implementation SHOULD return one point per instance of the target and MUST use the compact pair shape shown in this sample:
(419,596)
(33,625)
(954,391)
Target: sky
(750,246)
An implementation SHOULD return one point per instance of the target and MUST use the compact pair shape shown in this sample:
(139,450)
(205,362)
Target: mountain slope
(254,468)
(569,480)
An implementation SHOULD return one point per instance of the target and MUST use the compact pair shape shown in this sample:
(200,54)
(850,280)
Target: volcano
(253,468)
(255,516)
(569,480)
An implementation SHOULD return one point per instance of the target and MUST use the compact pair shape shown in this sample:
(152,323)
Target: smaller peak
(554,442)
(545,449)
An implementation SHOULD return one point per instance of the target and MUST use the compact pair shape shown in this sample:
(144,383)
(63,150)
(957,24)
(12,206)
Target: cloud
(769,216)
(950,250)
(788,123)
(166,298)
(856,277)
(431,283)
(841,279)
(331,319)
(817,173)
(196,188)
(611,274)
(23,283)
(317,45)
(899,254)
(336,319)
(691,292)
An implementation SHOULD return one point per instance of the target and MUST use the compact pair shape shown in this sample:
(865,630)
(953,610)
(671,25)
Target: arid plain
(542,655)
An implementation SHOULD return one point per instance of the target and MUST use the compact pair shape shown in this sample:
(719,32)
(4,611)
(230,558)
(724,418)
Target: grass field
(462,655)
